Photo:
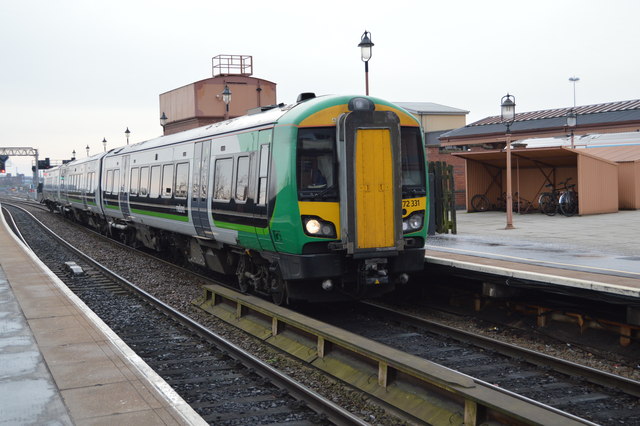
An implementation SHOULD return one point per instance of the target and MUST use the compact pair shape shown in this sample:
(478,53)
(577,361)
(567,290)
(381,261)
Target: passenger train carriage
(322,200)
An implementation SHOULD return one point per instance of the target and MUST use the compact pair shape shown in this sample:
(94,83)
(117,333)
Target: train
(324,199)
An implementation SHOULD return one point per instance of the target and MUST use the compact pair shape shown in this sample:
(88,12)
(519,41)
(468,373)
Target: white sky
(75,72)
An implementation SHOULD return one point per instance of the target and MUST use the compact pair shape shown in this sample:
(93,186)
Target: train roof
(280,114)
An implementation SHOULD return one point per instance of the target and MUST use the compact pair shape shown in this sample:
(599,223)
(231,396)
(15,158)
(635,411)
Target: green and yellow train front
(351,202)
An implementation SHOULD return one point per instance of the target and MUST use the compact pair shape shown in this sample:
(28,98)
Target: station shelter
(606,179)
(595,179)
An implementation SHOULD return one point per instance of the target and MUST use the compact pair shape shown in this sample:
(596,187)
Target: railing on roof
(232,65)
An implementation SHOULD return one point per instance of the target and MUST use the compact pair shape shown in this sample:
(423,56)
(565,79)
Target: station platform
(60,364)
(599,253)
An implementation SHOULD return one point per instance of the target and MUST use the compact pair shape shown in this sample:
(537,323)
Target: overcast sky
(75,72)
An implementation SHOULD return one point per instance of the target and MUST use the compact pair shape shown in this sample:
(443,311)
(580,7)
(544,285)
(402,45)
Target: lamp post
(507,117)
(73,154)
(572,120)
(574,80)
(365,53)
(87,148)
(226,98)
(104,143)
(126,134)
(163,120)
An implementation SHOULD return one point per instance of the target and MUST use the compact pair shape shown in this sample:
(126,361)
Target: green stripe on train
(241,228)
(161,215)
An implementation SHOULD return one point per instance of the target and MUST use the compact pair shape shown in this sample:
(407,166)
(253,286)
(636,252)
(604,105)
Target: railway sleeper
(419,388)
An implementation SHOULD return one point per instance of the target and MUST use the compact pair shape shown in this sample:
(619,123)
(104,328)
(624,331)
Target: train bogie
(326,199)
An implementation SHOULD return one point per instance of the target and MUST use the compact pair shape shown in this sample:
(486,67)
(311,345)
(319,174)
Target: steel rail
(590,374)
(427,391)
(475,402)
(315,401)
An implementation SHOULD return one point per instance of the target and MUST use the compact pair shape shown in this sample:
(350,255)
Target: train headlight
(413,222)
(316,227)
(313,226)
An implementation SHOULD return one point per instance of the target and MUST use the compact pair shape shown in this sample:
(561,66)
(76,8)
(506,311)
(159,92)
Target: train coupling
(374,272)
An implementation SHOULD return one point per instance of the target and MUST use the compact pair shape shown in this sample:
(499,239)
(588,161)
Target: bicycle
(568,202)
(549,202)
(481,203)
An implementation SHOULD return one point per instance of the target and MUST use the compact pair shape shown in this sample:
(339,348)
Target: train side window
(182,180)
(116,181)
(154,187)
(223,176)
(242,178)
(167,180)
(262,174)
(144,181)
(134,181)
(109,183)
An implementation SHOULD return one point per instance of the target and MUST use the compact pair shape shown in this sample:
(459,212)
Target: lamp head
(365,46)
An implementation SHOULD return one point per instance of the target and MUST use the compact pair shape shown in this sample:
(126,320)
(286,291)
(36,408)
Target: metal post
(366,77)
(36,178)
(509,194)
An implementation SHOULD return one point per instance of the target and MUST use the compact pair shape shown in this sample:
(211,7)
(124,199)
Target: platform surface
(597,252)
(60,364)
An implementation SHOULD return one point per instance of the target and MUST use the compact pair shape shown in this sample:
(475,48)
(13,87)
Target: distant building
(201,103)
(436,120)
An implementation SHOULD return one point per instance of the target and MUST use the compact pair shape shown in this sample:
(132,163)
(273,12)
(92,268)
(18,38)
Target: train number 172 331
(415,202)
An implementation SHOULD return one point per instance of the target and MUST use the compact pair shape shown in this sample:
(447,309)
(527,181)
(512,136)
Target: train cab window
(263,173)
(413,173)
(167,180)
(134,181)
(154,186)
(223,176)
(316,164)
(144,181)
(182,180)
(242,178)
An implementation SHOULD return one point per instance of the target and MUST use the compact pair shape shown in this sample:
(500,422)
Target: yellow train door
(375,210)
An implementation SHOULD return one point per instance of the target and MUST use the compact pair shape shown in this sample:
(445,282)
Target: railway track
(396,335)
(592,394)
(222,382)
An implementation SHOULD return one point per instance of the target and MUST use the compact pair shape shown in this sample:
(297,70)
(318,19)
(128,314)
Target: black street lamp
(163,119)
(73,154)
(507,117)
(226,98)
(127,133)
(87,148)
(104,143)
(365,54)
